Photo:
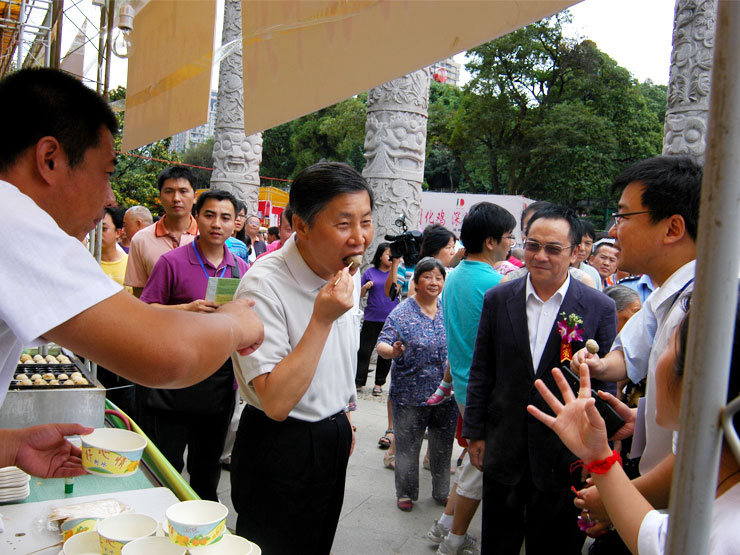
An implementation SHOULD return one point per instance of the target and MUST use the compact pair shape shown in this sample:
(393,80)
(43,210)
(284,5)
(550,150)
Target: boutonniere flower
(569,328)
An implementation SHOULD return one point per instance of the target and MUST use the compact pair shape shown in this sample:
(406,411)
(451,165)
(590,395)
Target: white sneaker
(437,532)
(469,547)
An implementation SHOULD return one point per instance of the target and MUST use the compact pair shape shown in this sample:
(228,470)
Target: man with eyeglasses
(655,230)
(526,469)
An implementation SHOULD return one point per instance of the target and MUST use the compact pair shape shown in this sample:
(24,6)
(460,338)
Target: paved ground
(370,522)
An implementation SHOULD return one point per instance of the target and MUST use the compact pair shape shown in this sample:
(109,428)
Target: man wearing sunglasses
(526,471)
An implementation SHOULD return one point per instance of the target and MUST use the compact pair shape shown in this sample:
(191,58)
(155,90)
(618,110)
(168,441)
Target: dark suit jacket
(502,383)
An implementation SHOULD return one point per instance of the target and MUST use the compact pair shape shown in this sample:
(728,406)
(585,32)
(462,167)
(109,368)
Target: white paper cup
(196,523)
(229,545)
(116,531)
(85,543)
(151,545)
(112,452)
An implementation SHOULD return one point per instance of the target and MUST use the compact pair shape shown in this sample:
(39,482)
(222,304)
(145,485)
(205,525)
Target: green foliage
(200,155)
(135,179)
(543,116)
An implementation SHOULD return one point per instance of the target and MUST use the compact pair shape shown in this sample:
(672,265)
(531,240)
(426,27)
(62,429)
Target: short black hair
(175,172)
(287,213)
(427,264)
(434,239)
(217,194)
(671,185)
(485,220)
(379,254)
(43,102)
(587,228)
(533,208)
(601,245)
(559,212)
(116,214)
(273,230)
(317,185)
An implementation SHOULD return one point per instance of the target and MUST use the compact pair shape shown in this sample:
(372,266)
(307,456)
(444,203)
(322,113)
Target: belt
(298,420)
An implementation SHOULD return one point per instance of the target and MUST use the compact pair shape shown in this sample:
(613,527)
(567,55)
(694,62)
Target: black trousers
(368,338)
(203,434)
(287,481)
(545,521)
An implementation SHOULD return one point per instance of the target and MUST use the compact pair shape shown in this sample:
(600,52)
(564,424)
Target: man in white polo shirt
(294,439)
(55,169)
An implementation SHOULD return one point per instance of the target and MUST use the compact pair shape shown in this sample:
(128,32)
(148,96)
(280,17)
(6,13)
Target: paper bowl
(76,526)
(82,544)
(118,530)
(151,545)
(229,545)
(196,523)
(112,452)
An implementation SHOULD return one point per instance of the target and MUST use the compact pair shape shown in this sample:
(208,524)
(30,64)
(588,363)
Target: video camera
(407,244)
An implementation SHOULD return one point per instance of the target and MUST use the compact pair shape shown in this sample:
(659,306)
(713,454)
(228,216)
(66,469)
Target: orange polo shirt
(149,244)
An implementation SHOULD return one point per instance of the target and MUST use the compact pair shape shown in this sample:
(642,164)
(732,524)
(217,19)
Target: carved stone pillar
(236,157)
(687,113)
(395,143)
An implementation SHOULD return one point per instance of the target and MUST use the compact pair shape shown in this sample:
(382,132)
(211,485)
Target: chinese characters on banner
(449,209)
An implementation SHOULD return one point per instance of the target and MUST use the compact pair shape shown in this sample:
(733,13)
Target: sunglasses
(551,249)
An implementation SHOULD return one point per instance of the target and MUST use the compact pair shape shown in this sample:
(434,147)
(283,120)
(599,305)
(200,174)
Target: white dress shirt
(541,316)
(642,340)
(284,289)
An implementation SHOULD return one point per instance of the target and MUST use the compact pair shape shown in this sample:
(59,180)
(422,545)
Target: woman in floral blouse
(414,337)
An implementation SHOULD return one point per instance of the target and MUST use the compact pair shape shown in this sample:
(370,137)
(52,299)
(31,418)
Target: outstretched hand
(44,451)
(577,422)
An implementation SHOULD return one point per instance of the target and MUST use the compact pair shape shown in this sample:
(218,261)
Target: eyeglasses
(551,249)
(241,217)
(616,217)
(510,238)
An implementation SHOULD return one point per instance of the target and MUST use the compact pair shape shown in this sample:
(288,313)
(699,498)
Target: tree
(544,116)
(135,179)
(200,155)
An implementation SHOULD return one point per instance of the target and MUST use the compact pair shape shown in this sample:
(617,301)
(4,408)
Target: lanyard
(203,267)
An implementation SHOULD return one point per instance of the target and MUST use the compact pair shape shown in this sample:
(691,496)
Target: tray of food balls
(50,371)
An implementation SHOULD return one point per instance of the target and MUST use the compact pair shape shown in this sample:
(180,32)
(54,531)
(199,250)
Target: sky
(635,33)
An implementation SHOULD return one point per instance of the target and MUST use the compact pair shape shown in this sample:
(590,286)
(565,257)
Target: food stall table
(24,533)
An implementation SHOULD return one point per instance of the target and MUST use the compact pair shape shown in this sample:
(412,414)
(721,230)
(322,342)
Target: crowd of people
(480,336)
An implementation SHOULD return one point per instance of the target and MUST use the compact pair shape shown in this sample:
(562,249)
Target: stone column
(687,113)
(395,144)
(236,157)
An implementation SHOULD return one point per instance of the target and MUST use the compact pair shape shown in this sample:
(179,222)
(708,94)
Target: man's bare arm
(611,368)
(157,347)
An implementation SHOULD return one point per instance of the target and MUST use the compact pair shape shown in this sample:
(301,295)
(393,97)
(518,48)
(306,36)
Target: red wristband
(603,466)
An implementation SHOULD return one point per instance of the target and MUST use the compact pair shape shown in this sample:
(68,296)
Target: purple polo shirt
(378,304)
(178,278)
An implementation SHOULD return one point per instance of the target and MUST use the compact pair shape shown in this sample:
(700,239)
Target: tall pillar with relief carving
(395,144)
(236,157)
(689,84)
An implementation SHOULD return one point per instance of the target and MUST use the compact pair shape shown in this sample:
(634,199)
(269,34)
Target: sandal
(377,391)
(405,504)
(389,461)
(385,442)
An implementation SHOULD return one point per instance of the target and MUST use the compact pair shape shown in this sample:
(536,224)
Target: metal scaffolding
(25,33)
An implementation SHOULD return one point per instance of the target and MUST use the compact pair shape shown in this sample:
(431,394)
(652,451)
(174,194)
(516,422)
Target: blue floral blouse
(416,374)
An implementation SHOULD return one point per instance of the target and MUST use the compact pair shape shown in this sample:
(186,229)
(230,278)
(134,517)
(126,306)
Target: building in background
(446,71)
(197,135)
